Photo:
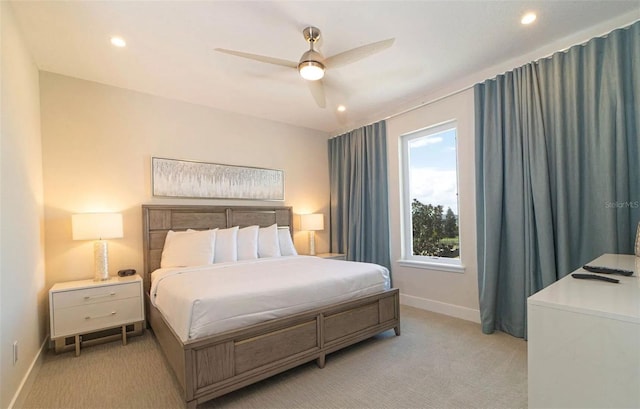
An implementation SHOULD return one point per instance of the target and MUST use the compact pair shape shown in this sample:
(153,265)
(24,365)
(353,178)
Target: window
(430,190)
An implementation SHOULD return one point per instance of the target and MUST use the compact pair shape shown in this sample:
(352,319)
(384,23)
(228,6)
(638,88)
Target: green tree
(450,224)
(429,230)
(427,227)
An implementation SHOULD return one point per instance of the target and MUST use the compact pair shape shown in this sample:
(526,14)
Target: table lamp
(312,223)
(98,227)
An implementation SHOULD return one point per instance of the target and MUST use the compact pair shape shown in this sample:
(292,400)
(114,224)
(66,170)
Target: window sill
(430,265)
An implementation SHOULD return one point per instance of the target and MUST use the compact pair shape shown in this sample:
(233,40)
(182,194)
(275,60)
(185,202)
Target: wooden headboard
(157,220)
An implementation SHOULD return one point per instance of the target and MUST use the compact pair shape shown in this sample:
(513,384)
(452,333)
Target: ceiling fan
(312,64)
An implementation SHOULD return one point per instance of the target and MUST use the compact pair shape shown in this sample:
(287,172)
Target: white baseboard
(452,310)
(25,386)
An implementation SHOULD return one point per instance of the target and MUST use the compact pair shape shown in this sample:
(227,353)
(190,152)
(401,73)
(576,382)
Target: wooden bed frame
(215,365)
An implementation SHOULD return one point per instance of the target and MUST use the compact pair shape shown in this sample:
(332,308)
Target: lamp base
(101,266)
(312,243)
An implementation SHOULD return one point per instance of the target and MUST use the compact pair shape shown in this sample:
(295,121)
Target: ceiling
(170,48)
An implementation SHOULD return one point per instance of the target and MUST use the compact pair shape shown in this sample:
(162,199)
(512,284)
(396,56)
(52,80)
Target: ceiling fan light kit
(311,70)
(312,64)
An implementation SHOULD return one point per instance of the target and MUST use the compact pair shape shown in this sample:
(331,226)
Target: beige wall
(97,147)
(23,295)
(452,293)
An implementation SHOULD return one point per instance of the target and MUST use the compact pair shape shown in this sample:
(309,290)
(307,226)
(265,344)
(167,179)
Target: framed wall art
(191,179)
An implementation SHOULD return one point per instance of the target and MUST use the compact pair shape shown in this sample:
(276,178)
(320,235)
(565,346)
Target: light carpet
(437,362)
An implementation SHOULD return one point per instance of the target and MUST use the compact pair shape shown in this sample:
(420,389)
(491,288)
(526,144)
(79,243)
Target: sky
(433,170)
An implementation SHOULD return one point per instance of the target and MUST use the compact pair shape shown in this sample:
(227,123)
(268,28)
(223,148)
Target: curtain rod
(551,54)
(423,104)
(420,105)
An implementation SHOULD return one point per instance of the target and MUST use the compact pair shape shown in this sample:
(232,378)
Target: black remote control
(595,277)
(607,270)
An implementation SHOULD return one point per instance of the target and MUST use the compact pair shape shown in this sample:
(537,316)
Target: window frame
(408,259)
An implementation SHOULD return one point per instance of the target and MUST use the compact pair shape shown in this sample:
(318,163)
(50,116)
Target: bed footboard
(216,365)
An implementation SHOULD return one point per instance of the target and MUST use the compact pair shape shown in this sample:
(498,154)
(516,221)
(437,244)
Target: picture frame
(203,180)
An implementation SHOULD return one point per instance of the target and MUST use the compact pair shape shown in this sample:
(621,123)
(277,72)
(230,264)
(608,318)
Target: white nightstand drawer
(102,294)
(87,318)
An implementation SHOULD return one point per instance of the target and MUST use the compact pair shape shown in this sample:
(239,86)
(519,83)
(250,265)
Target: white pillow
(268,245)
(286,244)
(248,243)
(188,248)
(226,245)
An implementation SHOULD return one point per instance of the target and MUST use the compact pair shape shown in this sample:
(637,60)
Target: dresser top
(80,284)
(616,301)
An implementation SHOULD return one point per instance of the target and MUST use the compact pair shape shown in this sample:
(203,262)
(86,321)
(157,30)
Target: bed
(210,364)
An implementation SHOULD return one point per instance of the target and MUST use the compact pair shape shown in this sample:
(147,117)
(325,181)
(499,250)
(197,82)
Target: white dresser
(584,340)
(87,306)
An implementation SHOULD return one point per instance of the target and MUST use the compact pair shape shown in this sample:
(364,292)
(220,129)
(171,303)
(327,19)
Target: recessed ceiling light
(342,108)
(118,41)
(528,18)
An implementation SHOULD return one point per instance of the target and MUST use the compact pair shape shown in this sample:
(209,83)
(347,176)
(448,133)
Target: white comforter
(206,300)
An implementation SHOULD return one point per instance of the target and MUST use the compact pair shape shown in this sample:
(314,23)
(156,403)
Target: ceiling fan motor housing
(311,65)
(312,55)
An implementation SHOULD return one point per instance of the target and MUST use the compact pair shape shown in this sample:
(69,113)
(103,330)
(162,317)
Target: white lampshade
(96,226)
(312,222)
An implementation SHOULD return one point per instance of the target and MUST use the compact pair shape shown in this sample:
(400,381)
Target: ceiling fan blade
(358,53)
(317,91)
(261,58)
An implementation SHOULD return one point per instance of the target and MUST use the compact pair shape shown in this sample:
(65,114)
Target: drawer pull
(100,316)
(87,297)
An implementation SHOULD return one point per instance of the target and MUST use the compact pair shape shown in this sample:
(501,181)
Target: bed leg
(397,330)
(320,361)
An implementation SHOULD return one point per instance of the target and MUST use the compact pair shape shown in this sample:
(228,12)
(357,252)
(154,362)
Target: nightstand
(332,256)
(89,308)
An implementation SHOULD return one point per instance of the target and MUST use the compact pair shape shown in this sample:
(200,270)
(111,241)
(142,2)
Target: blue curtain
(359,209)
(557,170)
